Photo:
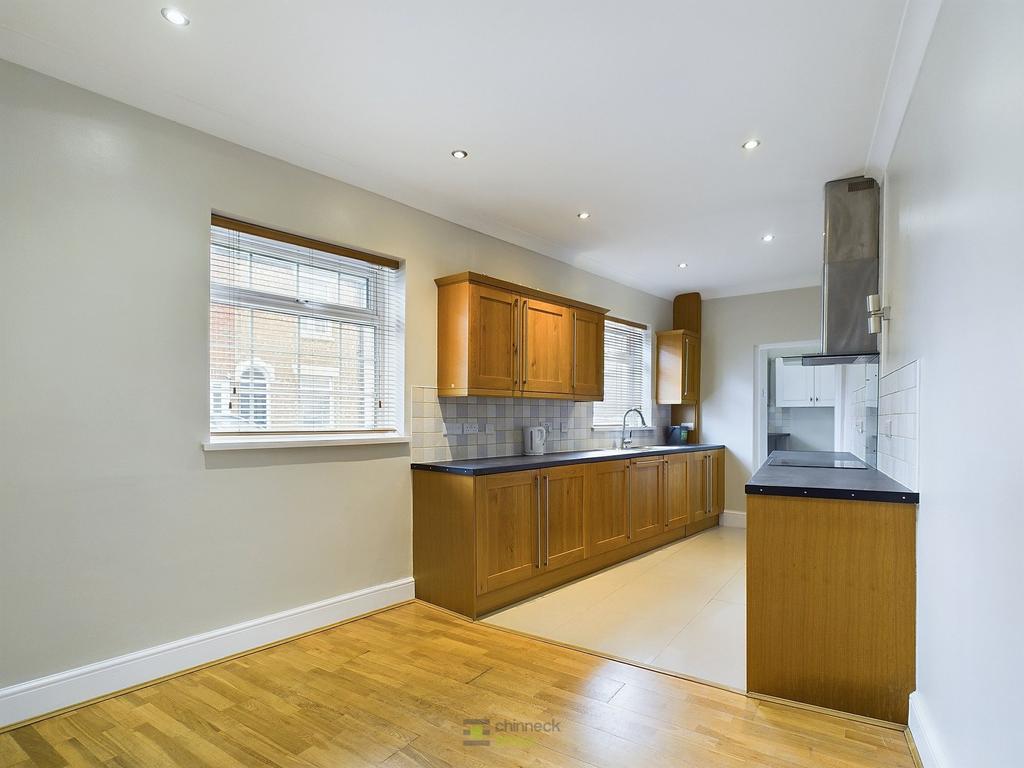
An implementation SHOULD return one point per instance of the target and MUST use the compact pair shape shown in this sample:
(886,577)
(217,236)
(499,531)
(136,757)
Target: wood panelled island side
(831,586)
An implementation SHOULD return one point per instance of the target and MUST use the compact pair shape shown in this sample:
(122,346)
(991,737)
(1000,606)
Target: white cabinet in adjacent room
(824,385)
(804,386)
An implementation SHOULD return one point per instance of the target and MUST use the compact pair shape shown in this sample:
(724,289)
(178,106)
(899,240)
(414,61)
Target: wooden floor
(396,689)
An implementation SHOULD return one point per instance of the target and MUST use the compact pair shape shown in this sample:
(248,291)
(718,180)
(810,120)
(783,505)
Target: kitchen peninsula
(831,585)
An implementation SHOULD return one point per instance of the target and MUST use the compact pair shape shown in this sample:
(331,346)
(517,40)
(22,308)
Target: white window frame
(643,364)
(247,298)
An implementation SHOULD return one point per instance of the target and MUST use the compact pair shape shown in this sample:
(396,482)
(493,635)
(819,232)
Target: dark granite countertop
(827,483)
(497,464)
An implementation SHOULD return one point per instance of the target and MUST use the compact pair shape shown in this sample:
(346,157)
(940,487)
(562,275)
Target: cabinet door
(546,348)
(794,385)
(507,529)
(669,386)
(607,518)
(562,516)
(691,368)
(697,487)
(716,476)
(493,330)
(646,497)
(824,386)
(588,354)
(677,501)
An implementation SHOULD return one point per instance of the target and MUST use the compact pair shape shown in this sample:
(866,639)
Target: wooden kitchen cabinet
(677,497)
(646,497)
(508,529)
(563,498)
(697,487)
(607,515)
(500,339)
(706,486)
(484,542)
(493,317)
(546,348)
(716,459)
(678,355)
(588,354)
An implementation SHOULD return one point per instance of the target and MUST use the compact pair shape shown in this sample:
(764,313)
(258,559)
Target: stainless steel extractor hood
(850,271)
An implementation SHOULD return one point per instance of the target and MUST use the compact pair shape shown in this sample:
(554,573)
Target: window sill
(244,442)
(618,428)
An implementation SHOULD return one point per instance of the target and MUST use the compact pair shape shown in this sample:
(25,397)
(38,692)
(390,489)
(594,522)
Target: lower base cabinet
(481,543)
(646,497)
(607,519)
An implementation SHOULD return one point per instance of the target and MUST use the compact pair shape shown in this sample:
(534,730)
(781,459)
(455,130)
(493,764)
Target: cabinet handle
(523,340)
(515,344)
(547,518)
(707,484)
(686,368)
(537,480)
(711,484)
(574,351)
(629,502)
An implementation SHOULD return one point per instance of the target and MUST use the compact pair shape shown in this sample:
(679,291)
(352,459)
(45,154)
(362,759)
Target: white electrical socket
(470,428)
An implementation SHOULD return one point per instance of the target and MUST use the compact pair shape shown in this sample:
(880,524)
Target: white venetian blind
(301,339)
(627,374)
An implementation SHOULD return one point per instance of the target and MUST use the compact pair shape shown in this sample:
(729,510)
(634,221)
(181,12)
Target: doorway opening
(813,408)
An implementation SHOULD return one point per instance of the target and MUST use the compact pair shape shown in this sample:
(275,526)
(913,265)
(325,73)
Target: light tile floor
(681,608)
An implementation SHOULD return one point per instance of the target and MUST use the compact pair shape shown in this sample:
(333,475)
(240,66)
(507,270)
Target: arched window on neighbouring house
(252,396)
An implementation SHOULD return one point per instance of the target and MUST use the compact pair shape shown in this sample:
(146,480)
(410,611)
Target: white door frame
(761,354)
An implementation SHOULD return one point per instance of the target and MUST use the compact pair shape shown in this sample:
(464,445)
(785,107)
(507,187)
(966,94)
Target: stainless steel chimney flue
(850,271)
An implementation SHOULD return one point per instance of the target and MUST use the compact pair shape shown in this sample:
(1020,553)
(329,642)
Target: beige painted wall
(117,531)
(731,329)
(953,273)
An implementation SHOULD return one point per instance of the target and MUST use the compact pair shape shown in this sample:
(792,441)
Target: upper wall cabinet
(505,340)
(804,386)
(588,354)
(678,367)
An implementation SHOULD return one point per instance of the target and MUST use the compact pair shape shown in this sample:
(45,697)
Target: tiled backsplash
(500,420)
(897,425)
(859,390)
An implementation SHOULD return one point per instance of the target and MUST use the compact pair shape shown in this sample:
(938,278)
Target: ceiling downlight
(175,17)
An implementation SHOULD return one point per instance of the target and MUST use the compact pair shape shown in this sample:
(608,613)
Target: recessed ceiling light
(768,238)
(582,215)
(751,144)
(683,265)
(460,154)
(176,17)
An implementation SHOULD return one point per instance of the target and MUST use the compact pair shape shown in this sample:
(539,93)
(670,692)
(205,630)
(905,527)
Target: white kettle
(533,440)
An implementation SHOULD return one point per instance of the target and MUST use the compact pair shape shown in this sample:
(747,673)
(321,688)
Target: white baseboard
(923,730)
(64,689)
(733,519)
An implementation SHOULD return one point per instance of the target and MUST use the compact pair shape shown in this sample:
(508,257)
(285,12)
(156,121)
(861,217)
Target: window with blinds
(303,338)
(627,374)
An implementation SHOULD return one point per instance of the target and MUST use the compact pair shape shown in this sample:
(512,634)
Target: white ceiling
(634,111)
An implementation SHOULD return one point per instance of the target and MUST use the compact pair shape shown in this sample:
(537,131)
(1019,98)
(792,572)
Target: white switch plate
(565,427)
